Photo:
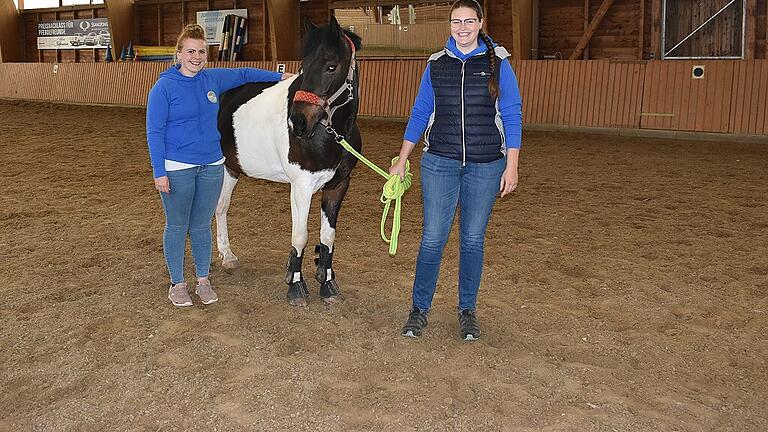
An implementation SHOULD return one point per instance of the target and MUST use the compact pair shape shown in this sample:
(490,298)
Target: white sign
(213,23)
(73,34)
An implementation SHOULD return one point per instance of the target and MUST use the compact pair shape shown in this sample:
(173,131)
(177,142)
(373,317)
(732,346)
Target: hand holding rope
(393,189)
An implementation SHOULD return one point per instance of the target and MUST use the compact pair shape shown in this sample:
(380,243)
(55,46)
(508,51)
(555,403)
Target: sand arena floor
(626,289)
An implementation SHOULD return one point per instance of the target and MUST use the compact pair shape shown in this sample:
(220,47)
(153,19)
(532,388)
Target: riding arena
(625,284)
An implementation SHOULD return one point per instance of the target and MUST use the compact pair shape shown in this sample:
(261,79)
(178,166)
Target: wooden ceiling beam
(591,29)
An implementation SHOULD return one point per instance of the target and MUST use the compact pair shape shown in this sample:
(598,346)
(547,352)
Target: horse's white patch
(261,136)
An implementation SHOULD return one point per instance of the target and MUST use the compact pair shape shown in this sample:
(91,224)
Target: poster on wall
(85,33)
(213,23)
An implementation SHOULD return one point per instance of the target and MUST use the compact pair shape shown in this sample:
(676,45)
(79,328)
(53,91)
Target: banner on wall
(87,33)
(213,23)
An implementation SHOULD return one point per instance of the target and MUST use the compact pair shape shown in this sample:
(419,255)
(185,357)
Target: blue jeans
(444,185)
(189,208)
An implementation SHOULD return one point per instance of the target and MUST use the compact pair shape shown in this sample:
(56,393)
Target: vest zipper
(463,137)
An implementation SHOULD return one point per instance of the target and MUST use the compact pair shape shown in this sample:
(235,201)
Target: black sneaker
(417,320)
(470,328)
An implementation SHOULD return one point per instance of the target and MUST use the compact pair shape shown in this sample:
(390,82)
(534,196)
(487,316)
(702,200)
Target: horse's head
(327,70)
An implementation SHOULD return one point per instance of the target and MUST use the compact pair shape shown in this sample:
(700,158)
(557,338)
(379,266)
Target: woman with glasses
(469,105)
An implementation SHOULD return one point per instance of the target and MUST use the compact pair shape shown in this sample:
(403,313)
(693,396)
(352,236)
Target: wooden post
(58,51)
(535,30)
(122,25)
(263,30)
(641,33)
(591,29)
(656,29)
(93,15)
(749,30)
(39,51)
(11,28)
(516,40)
(160,24)
(284,20)
(586,27)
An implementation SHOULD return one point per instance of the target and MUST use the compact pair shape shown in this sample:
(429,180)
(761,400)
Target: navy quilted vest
(466,124)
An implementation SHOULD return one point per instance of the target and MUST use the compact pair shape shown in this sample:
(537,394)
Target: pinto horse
(286,132)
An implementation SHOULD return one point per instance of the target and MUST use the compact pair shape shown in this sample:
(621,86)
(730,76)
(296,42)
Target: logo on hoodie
(212,96)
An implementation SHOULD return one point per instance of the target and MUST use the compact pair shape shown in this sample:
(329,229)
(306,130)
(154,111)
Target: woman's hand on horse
(162,184)
(286,75)
(398,168)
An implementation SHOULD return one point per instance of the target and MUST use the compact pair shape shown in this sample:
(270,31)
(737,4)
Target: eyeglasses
(468,22)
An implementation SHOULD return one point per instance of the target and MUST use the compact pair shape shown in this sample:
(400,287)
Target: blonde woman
(187,162)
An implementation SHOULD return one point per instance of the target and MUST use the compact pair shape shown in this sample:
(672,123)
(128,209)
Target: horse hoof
(230,265)
(298,302)
(333,300)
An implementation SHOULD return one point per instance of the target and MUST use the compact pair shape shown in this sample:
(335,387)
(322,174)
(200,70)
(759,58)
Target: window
(398,30)
(703,29)
(40,4)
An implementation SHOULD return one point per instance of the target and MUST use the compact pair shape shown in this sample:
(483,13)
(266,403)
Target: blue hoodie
(509,103)
(182,114)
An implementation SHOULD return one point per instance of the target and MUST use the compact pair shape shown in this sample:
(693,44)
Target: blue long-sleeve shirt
(182,114)
(509,102)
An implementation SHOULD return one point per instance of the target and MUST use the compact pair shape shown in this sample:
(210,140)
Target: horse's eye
(331,68)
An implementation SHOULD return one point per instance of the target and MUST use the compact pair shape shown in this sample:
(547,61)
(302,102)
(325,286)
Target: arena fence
(724,96)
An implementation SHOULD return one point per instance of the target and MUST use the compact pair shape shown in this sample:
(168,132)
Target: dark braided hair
(493,84)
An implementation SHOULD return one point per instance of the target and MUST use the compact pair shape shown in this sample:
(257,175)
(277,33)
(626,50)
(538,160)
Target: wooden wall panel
(761,29)
(498,23)
(561,25)
(610,94)
(388,87)
(749,94)
(673,100)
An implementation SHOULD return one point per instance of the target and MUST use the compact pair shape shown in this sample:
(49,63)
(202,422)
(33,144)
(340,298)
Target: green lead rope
(393,189)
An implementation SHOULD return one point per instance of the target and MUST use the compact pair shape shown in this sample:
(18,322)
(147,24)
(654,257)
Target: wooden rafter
(591,29)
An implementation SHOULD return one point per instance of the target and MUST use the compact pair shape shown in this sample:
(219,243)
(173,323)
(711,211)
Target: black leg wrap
(299,288)
(293,266)
(329,288)
(324,261)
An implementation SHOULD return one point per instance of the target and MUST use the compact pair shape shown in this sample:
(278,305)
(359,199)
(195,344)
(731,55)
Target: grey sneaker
(206,293)
(469,327)
(415,324)
(179,296)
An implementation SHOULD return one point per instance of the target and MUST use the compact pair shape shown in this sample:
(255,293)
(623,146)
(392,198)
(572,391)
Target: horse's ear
(334,26)
(355,39)
(308,24)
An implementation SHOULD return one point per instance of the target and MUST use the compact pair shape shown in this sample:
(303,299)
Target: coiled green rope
(393,189)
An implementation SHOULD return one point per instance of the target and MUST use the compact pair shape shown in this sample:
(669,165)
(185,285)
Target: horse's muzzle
(303,119)
(297,125)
